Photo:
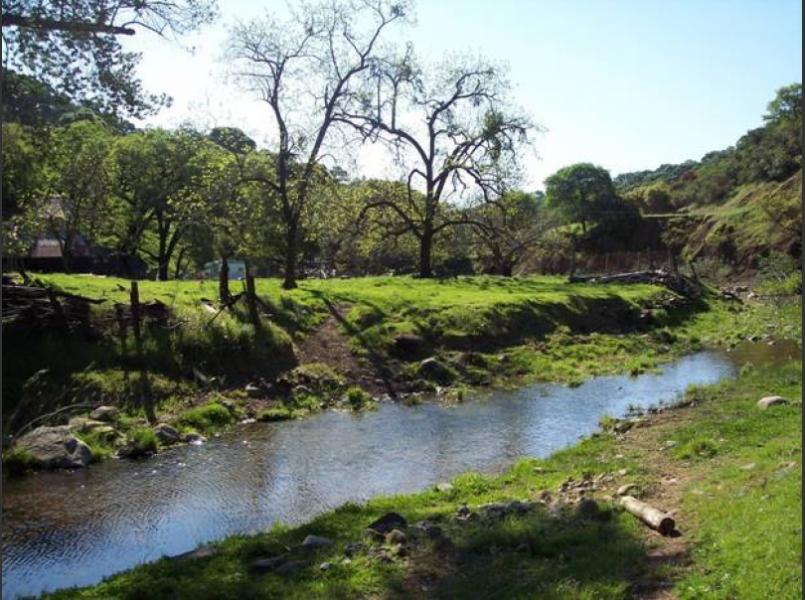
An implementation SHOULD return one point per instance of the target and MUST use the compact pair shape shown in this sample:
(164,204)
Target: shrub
(279,413)
(143,440)
(207,417)
(358,398)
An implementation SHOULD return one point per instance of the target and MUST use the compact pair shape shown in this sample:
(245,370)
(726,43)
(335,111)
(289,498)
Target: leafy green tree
(78,204)
(583,193)
(72,45)
(507,229)
(25,185)
(156,178)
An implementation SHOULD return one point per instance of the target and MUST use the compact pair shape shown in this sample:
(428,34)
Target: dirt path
(666,555)
(331,346)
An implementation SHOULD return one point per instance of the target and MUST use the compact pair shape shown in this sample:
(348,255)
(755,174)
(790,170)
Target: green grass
(743,524)
(207,417)
(144,440)
(483,330)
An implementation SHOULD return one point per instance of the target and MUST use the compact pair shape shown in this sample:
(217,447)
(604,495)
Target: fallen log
(653,517)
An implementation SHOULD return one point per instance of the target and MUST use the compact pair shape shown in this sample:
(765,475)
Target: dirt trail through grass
(329,345)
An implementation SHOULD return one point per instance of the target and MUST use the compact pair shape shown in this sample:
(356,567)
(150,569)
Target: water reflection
(65,529)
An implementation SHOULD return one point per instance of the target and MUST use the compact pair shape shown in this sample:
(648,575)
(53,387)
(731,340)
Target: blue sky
(625,84)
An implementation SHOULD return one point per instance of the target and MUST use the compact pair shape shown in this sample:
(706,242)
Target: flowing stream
(74,528)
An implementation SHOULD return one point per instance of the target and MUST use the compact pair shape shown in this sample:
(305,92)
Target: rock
(316,541)
(248,421)
(353,548)
(625,489)
(623,426)
(768,401)
(388,522)
(444,487)
(302,390)
(264,565)
(202,552)
(253,391)
(395,536)
(374,536)
(55,448)
(381,554)
(195,438)
(622,472)
(166,434)
(325,566)
(85,425)
(587,509)
(408,346)
(494,509)
(107,414)
(434,370)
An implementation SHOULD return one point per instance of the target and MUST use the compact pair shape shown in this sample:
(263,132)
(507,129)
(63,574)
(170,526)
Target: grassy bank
(731,471)
(480,330)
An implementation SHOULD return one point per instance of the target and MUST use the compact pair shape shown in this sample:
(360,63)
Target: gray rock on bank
(107,414)
(55,448)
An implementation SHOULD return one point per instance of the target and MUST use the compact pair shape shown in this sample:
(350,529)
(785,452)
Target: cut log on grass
(653,517)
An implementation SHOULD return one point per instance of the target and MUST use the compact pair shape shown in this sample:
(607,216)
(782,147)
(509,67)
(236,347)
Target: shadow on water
(63,529)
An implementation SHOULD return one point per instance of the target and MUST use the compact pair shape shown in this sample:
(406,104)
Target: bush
(206,417)
(712,268)
(358,398)
(279,413)
(143,441)
(776,266)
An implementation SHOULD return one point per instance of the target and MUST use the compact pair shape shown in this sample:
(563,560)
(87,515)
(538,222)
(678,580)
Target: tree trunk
(162,258)
(223,282)
(654,518)
(290,256)
(425,249)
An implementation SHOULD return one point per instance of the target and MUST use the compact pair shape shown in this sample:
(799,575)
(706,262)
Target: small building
(237,269)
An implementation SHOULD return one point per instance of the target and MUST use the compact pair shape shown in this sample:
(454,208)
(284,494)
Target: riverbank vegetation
(347,344)
(730,471)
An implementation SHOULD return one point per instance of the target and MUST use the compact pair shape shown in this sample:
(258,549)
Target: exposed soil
(331,346)
(665,554)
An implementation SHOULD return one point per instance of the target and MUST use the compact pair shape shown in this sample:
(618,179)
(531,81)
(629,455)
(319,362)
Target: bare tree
(303,69)
(452,129)
(508,228)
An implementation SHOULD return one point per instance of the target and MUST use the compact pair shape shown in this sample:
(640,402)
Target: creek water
(74,528)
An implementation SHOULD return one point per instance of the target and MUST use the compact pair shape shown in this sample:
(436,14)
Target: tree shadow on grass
(538,555)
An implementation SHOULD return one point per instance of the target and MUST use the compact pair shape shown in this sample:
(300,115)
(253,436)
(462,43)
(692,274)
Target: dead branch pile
(39,308)
(680,284)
